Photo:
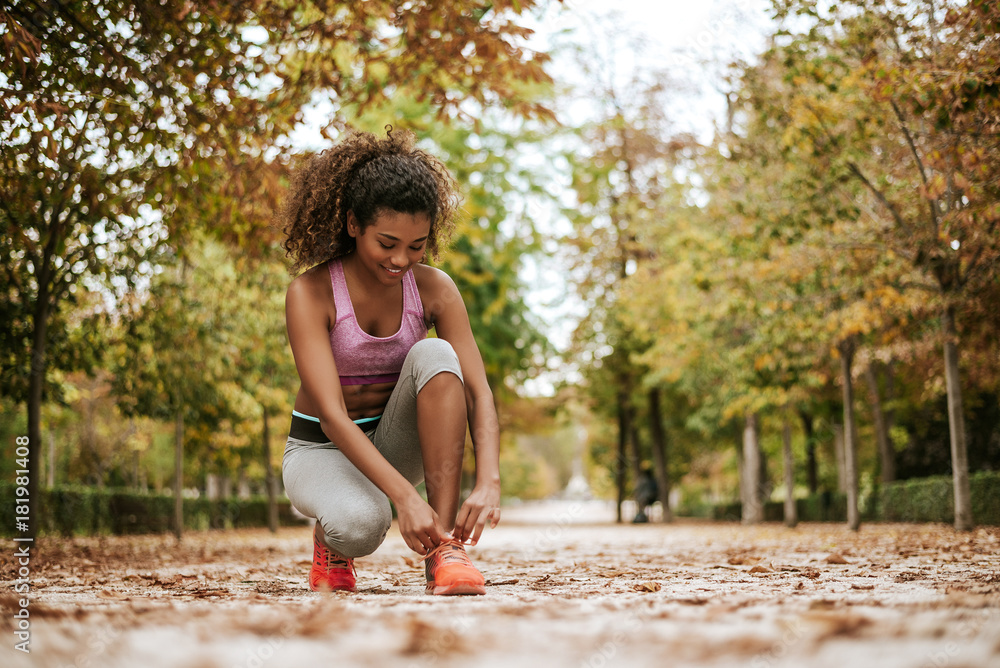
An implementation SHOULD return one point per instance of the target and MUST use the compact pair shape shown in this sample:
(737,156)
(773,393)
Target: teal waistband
(316,419)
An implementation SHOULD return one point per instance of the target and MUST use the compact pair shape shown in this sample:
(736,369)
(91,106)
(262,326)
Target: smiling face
(391,244)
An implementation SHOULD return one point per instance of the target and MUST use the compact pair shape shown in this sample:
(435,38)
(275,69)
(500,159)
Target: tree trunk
(753,508)
(791,516)
(272,500)
(623,433)
(51,479)
(850,449)
(634,454)
(635,459)
(956,425)
(36,385)
(135,470)
(889,410)
(887,460)
(659,448)
(838,448)
(179,474)
(812,475)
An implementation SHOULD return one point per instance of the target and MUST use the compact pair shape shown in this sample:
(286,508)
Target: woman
(381,407)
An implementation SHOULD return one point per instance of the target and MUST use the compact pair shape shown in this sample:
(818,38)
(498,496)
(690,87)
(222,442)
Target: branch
(10,213)
(909,140)
(77,147)
(99,39)
(819,119)
(61,284)
(70,168)
(878,194)
(847,245)
(65,188)
(903,252)
(903,285)
(973,261)
(12,278)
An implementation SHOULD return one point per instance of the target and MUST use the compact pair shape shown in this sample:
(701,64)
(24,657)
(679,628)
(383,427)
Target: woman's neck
(364,283)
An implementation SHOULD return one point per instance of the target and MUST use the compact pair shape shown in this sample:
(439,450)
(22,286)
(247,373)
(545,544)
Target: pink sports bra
(363,359)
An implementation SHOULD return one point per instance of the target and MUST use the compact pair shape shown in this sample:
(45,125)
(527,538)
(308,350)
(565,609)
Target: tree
(106,106)
(928,94)
(620,163)
(170,363)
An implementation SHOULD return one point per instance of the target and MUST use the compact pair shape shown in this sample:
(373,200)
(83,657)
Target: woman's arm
(309,337)
(451,321)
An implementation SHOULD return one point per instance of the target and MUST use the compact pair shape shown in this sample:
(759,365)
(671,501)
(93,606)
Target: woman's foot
(450,571)
(330,571)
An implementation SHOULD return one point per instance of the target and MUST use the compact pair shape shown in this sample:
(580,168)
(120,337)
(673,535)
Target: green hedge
(816,508)
(77,510)
(916,500)
(933,499)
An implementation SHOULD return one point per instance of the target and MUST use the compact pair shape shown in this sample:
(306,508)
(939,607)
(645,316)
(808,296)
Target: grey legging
(354,514)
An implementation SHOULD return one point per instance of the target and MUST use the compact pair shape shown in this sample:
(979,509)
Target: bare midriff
(363,401)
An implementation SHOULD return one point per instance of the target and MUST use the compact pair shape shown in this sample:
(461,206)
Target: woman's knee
(357,532)
(431,357)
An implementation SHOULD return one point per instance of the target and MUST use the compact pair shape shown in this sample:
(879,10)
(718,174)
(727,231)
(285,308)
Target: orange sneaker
(450,572)
(330,571)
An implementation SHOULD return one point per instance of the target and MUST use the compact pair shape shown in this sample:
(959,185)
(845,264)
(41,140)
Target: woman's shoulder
(437,290)
(431,280)
(311,286)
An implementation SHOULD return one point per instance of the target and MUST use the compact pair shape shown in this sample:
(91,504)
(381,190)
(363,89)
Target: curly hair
(367,175)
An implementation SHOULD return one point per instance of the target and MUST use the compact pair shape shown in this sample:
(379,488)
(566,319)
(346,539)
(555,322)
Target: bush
(917,500)
(816,508)
(933,499)
(985,488)
(83,511)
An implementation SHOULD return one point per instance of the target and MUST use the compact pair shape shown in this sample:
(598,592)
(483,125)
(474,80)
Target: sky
(687,41)
(680,38)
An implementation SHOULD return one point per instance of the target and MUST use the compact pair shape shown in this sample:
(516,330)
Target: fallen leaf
(836,558)
(822,604)
(613,573)
(104,593)
(761,569)
(432,640)
(377,590)
(206,593)
(646,586)
(838,625)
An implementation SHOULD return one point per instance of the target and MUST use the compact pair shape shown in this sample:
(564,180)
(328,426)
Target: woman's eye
(417,248)
(384,246)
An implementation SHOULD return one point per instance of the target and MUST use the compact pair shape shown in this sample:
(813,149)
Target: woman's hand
(482,505)
(419,524)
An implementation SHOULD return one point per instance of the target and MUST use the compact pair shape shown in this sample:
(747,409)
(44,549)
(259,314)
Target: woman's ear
(353,228)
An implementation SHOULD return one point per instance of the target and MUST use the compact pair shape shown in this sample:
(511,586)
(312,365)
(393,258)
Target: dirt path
(564,591)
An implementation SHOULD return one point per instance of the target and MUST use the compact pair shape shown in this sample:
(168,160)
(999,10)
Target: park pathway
(566,588)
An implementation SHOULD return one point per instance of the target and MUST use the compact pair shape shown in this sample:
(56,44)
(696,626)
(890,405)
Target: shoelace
(451,550)
(333,561)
